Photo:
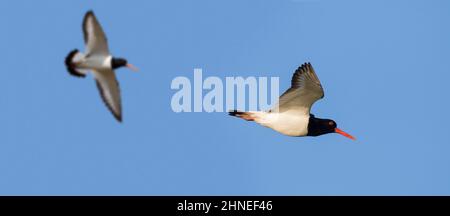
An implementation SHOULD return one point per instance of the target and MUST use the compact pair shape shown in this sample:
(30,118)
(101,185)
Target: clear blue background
(385,67)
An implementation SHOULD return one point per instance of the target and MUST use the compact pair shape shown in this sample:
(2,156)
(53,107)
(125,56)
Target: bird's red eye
(331,123)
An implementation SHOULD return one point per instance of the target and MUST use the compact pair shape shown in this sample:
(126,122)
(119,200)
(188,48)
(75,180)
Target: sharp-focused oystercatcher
(98,60)
(292,116)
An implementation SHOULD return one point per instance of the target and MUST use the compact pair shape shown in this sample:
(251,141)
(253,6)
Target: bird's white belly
(286,123)
(96,62)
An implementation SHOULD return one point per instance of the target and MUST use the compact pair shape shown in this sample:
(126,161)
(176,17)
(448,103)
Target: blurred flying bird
(100,62)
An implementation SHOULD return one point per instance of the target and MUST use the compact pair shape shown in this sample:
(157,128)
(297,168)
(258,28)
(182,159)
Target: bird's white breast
(287,123)
(96,62)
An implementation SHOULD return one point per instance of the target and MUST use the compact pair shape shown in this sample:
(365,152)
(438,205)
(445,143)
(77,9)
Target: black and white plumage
(291,116)
(100,62)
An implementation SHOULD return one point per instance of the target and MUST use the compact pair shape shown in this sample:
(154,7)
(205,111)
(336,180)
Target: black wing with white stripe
(94,36)
(109,91)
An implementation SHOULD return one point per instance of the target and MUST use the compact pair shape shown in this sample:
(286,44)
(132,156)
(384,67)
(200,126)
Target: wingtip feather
(89,12)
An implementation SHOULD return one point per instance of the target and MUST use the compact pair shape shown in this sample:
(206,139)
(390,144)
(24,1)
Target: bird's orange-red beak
(339,131)
(132,67)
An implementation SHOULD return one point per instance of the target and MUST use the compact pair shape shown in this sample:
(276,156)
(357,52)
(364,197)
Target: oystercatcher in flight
(292,116)
(98,60)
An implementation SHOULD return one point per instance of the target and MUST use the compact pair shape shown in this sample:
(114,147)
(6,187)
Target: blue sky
(384,66)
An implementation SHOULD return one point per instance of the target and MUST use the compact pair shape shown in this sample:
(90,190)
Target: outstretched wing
(109,91)
(304,92)
(94,37)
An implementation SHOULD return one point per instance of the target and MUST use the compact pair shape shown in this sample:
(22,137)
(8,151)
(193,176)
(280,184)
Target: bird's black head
(317,127)
(118,62)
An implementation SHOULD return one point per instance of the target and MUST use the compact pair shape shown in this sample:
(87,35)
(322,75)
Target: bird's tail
(249,116)
(72,58)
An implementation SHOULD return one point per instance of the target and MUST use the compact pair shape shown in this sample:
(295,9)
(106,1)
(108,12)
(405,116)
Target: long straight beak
(339,131)
(132,67)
